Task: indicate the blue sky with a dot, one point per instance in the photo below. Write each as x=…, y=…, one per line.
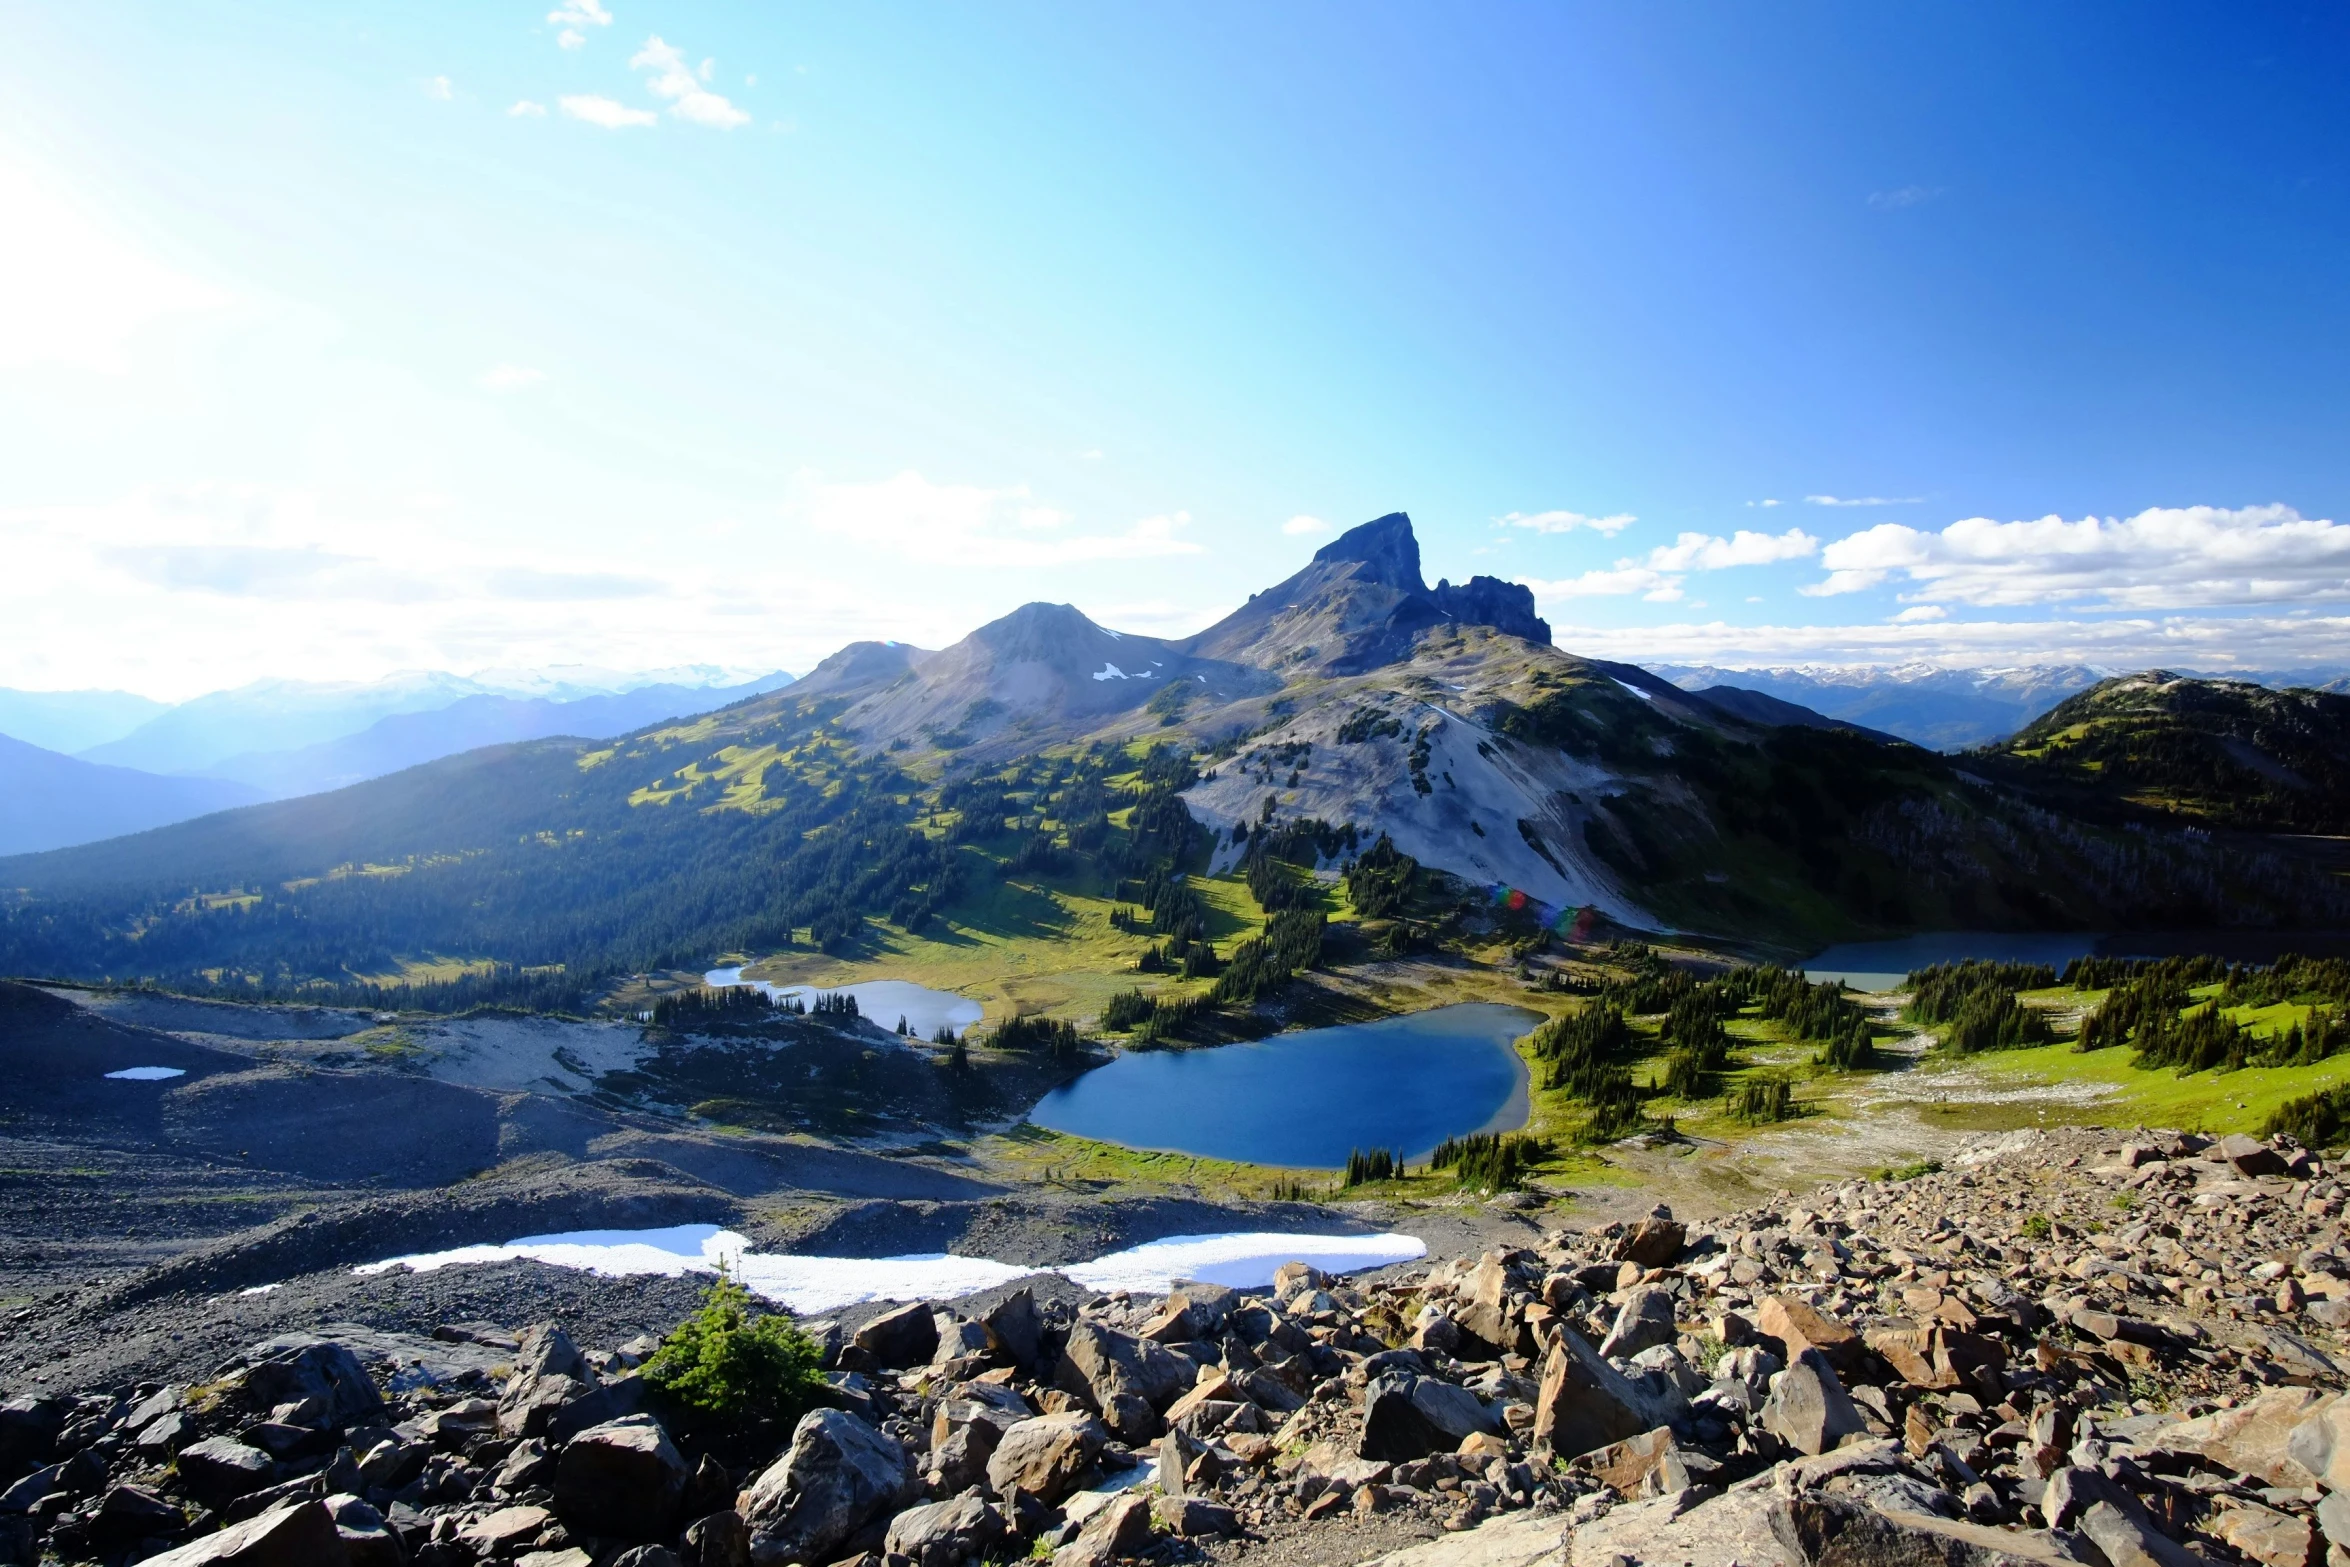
x=359, y=338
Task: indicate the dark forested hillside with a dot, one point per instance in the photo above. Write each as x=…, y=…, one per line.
x=561, y=864
x=2226, y=752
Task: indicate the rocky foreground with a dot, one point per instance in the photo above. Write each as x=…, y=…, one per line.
x=2066, y=1349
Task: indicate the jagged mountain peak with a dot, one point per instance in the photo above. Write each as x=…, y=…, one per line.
x=1386, y=545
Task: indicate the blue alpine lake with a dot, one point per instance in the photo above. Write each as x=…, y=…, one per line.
x=1308, y=1099
x=1883, y=965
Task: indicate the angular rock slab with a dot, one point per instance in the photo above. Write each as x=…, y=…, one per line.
x=839, y=1475
x=300, y=1535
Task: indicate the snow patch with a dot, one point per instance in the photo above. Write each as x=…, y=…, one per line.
x=147, y=1074
x=1109, y=671
x=1244, y=1260
x=1645, y=696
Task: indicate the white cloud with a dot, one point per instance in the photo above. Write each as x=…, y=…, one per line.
x=1657, y=577
x=439, y=87
x=1567, y=522
x=1918, y=612
x=972, y=525
x=71, y=292
x=1302, y=524
x=2162, y=558
x=572, y=15
x=1764, y=503
x=607, y=112
x=511, y=378
x=689, y=97
x=1905, y=196
x=2208, y=642
x=1705, y=552
x=1627, y=578
x=1864, y=500
x=527, y=108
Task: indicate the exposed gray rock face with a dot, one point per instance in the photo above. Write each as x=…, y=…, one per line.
x=1644, y=1321
x=839, y=1475
x=1808, y=1408
x=946, y=1534
x=1044, y=1456
x=298, y=1534
x=1407, y=1416
x=623, y=1480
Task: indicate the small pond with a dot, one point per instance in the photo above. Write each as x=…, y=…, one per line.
x=881, y=1001
x=1882, y=965
x=1308, y=1099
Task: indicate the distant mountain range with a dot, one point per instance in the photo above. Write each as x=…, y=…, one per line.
x=1942, y=709
x=48, y=801
x=896, y=786
x=202, y=756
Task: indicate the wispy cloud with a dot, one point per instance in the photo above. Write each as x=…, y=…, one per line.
x=525, y=108
x=1302, y=524
x=439, y=87
x=511, y=378
x=610, y=113
x=1658, y=576
x=572, y=15
x=1863, y=500
x=2164, y=557
x=1566, y=522
x=687, y=90
x=1903, y=196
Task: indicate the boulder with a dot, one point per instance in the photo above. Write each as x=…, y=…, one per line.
x=1649, y=1464
x=947, y=1534
x=897, y=1339
x=1739, y=1526
x=1645, y=1320
x=366, y=1539
x=622, y=1480
x=646, y=1556
x=1044, y=1456
x=28, y=1430
x=1293, y=1278
x=964, y=1432
x=549, y=1373
x=1583, y=1402
x=1124, y=1379
x=2266, y=1536
x=720, y=1540
x=1808, y=1408
x=299, y=1368
x=2249, y=1155
x=1407, y=1417
x=1822, y=1528
x=1932, y=1355
x=838, y=1476
x=220, y=1469
x=960, y=1339
x=1194, y=1518
x=294, y=1534
x=1652, y=1243
x=506, y=1531
x=132, y=1513
x=2320, y=1443
x=1122, y=1528
x=1018, y=1328
x=1796, y=1325
x=2249, y=1439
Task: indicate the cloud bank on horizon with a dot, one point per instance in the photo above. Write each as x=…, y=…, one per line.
x=553, y=340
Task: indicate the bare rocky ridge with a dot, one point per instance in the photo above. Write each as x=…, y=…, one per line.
x=2066, y=1348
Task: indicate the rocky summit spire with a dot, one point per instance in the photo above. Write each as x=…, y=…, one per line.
x=1387, y=546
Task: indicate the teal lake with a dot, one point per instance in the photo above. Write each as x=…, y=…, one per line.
x=1307, y=1099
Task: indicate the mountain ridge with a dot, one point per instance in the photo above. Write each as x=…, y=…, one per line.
x=886, y=788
